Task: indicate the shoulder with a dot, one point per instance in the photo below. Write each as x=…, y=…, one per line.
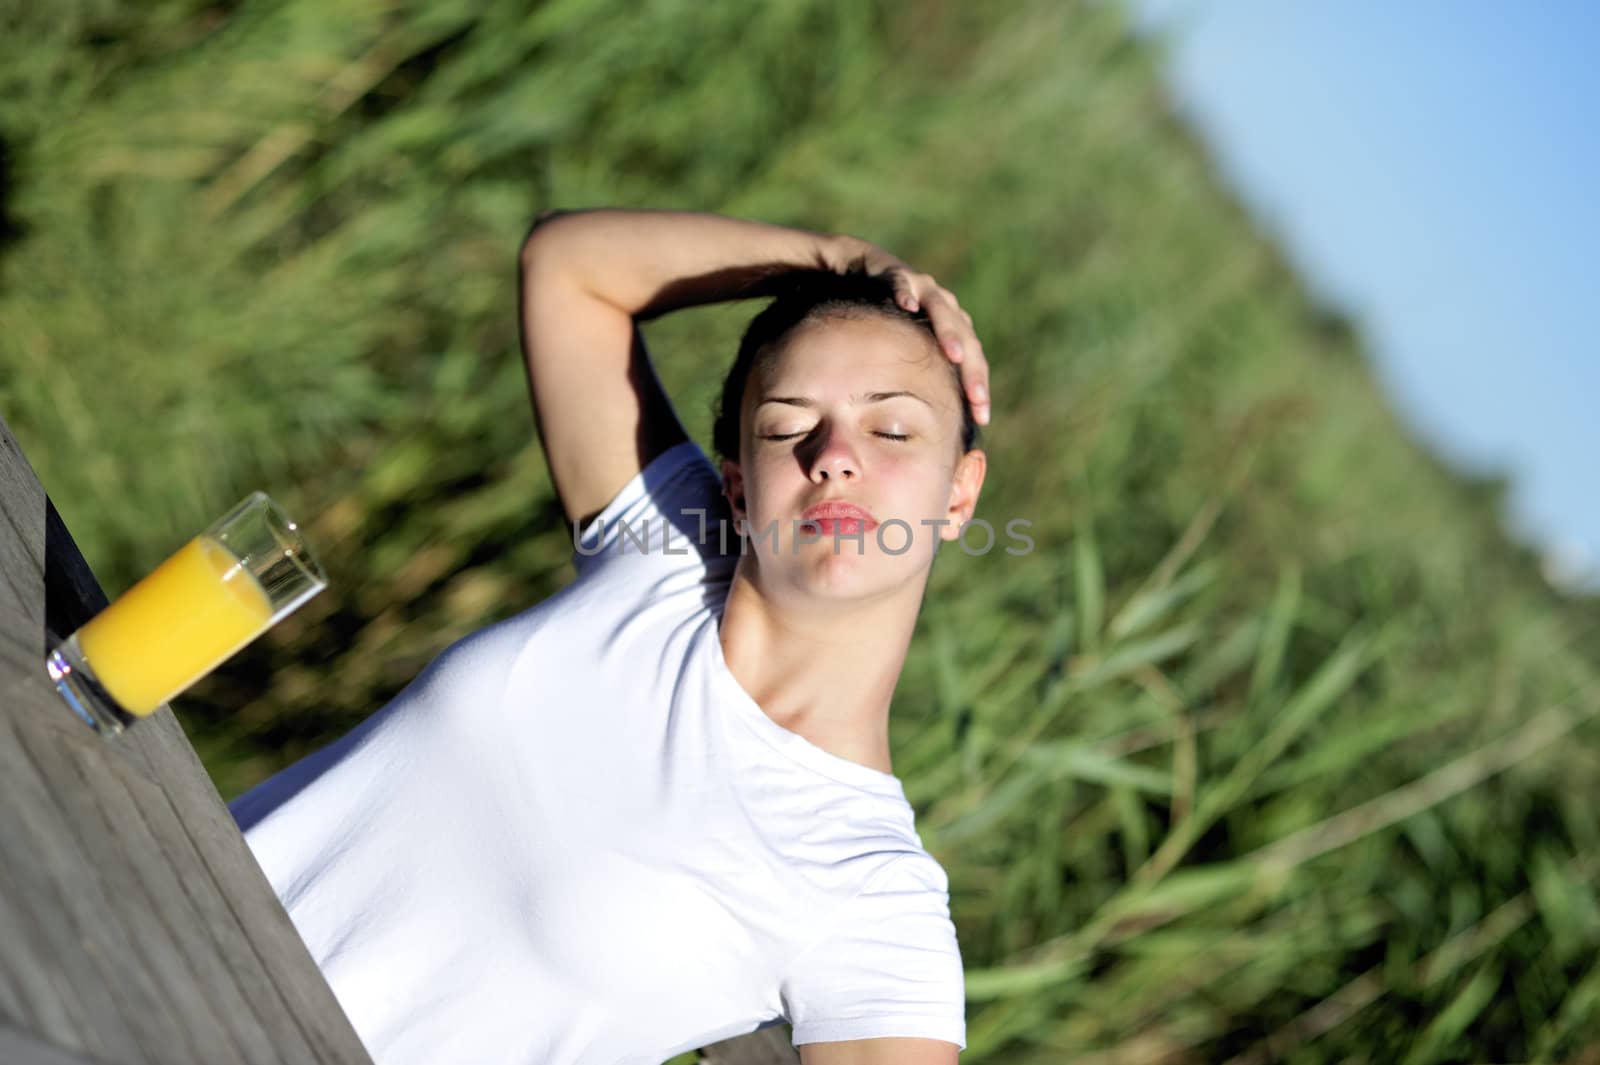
x=670, y=514
x=913, y=884
x=889, y=967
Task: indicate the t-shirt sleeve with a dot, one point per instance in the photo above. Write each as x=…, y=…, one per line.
x=890, y=967
x=671, y=514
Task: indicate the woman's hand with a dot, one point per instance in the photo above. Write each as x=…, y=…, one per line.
x=913, y=290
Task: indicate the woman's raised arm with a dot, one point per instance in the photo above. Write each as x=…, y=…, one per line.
x=588, y=277
x=648, y=262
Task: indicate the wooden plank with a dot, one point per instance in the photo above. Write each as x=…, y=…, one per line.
x=135, y=924
x=40, y=998
x=98, y=806
x=218, y=915
x=129, y=763
x=273, y=942
x=19, y=1048
x=765, y=1046
x=21, y=545
x=13, y=998
x=67, y=940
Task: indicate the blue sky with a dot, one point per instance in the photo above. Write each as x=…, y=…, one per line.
x=1432, y=167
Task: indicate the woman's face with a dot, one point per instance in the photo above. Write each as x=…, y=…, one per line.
x=863, y=409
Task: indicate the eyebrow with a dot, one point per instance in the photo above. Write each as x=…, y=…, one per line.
x=869, y=397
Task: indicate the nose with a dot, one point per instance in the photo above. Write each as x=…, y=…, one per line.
x=834, y=458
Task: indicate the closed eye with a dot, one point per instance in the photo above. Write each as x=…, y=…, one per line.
x=791, y=436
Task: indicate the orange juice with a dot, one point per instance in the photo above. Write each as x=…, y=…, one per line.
x=176, y=625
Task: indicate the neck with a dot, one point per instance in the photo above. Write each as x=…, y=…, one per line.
x=819, y=669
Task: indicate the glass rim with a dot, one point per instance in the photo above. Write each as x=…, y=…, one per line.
x=285, y=532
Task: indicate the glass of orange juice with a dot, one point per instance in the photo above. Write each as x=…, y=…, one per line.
x=249, y=570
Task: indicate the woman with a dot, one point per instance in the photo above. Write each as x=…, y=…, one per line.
x=657, y=810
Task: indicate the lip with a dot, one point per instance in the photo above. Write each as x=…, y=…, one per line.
x=836, y=508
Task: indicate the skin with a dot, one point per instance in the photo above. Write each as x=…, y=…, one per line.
x=818, y=636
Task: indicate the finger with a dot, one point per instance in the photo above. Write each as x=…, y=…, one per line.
x=975, y=382
x=974, y=369
x=917, y=288
x=950, y=325
x=905, y=292
x=972, y=345
x=953, y=326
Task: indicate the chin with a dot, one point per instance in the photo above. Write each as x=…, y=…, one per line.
x=848, y=575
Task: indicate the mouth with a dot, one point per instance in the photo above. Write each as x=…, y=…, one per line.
x=845, y=517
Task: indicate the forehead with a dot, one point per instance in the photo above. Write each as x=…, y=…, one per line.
x=856, y=350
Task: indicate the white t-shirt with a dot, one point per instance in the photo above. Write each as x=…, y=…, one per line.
x=576, y=838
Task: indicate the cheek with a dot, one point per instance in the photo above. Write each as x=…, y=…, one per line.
x=771, y=468
x=770, y=481
x=922, y=483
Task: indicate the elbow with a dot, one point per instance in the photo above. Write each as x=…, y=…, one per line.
x=534, y=241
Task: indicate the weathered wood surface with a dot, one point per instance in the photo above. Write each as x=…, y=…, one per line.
x=769, y=1046
x=135, y=925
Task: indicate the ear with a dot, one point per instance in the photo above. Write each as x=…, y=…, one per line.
x=964, y=488
x=733, y=487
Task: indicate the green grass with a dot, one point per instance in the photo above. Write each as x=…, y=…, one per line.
x=1275, y=747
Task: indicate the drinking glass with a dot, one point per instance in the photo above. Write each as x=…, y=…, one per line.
x=247, y=571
